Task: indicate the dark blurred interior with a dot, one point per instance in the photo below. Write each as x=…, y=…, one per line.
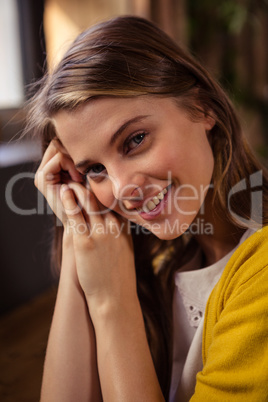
x=27, y=290
x=230, y=39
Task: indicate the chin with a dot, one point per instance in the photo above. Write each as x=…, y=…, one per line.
x=168, y=232
x=167, y=236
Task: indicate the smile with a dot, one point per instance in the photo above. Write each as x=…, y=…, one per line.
x=153, y=202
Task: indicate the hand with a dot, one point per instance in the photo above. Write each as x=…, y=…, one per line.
x=103, y=250
x=55, y=169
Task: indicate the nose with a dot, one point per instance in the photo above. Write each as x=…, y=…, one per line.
x=127, y=185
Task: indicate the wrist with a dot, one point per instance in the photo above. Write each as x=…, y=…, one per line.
x=67, y=238
x=113, y=309
x=68, y=265
x=120, y=332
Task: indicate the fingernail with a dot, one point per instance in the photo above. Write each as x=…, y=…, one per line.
x=50, y=176
x=63, y=188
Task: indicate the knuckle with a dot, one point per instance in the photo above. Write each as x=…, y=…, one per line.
x=37, y=179
x=72, y=209
x=58, y=157
x=84, y=242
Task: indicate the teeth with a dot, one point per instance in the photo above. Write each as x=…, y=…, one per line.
x=150, y=205
x=145, y=209
x=153, y=202
x=156, y=200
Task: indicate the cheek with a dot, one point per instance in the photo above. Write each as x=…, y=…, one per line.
x=196, y=164
x=103, y=192
x=162, y=163
x=205, y=161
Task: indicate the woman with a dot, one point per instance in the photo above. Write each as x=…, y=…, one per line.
x=163, y=286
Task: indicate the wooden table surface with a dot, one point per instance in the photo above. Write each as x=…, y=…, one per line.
x=23, y=339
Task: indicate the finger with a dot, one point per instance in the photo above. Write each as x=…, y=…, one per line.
x=76, y=220
x=59, y=163
x=51, y=151
x=60, y=147
x=88, y=203
x=113, y=219
x=62, y=150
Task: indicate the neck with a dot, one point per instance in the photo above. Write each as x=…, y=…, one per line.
x=222, y=237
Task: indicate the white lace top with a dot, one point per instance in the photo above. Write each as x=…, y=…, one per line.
x=192, y=290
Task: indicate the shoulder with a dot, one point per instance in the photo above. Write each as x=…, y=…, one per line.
x=254, y=248
x=248, y=262
x=241, y=294
x=235, y=341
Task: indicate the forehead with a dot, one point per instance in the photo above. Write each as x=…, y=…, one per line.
x=102, y=111
x=94, y=122
x=99, y=113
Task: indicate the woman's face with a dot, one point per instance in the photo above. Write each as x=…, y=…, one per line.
x=144, y=158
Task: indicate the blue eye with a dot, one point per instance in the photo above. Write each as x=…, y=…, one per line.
x=134, y=141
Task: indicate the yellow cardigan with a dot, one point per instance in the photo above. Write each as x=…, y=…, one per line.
x=235, y=337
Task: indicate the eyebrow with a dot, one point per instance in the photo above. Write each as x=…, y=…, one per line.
x=115, y=136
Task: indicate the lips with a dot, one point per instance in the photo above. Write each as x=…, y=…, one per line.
x=153, y=202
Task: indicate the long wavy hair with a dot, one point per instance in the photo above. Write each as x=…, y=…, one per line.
x=129, y=57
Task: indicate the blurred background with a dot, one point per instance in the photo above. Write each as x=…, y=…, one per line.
x=229, y=37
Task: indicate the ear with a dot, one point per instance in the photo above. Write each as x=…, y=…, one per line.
x=207, y=117
x=209, y=121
